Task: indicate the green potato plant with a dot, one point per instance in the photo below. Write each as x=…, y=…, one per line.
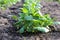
x=7, y=3
x=53, y=1
x=31, y=19
x=57, y=1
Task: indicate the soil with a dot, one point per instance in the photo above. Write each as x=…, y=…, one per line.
x=7, y=32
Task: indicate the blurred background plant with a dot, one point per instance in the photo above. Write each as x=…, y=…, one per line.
x=7, y=3
x=53, y=0
x=57, y=0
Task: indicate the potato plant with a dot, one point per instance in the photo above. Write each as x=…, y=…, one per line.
x=53, y=1
x=7, y=3
x=31, y=19
x=57, y=1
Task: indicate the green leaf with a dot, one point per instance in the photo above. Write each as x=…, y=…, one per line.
x=15, y=17
x=21, y=30
x=28, y=17
x=21, y=15
x=24, y=10
x=56, y=22
x=29, y=29
x=42, y=29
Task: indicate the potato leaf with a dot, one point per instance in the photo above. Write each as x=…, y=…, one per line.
x=21, y=30
x=42, y=29
x=15, y=17
x=24, y=10
x=28, y=17
x=56, y=22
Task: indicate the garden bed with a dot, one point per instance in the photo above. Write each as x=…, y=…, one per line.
x=6, y=33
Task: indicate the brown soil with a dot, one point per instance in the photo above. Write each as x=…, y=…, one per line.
x=7, y=32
